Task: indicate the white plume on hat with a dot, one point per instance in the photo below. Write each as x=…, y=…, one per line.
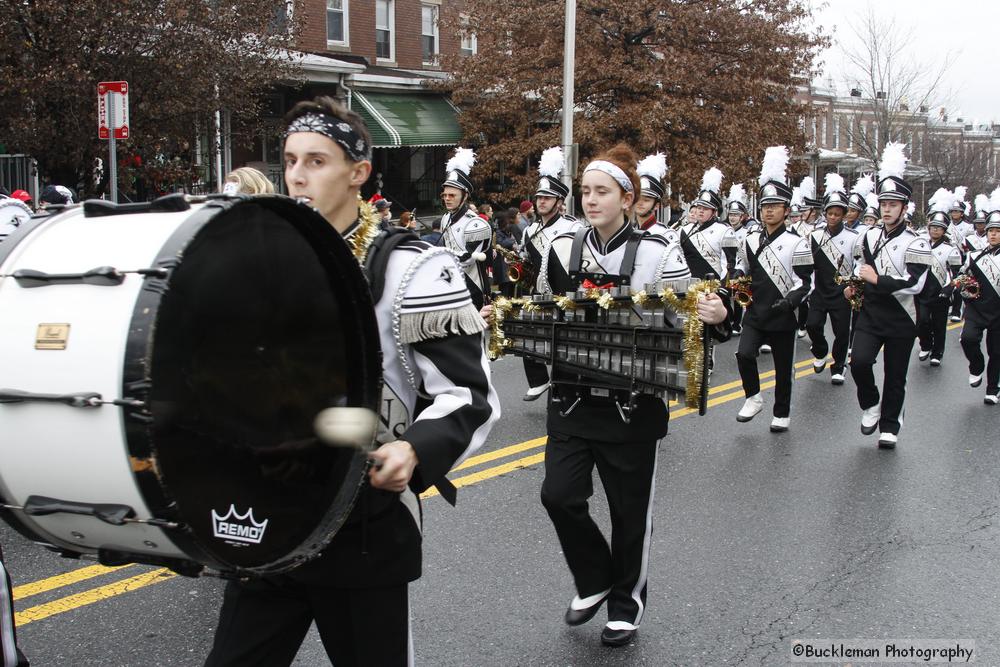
x=774, y=166
x=960, y=192
x=893, y=161
x=656, y=166
x=995, y=200
x=834, y=182
x=864, y=185
x=712, y=180
x=737, y=194
x=941, y=200
x=463, y=160
x=808, y=188
x=872, y=200
x=910, y=208
x=982, y=204
x=552, y=162
x=797, y=197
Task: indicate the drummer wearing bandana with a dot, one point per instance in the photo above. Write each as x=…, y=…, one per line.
x=438, y=406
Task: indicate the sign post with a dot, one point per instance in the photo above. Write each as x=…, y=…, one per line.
x=112, y=123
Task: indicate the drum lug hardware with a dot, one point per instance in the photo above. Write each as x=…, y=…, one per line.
x=621, y=412
x=156, y=523
x=567, y=411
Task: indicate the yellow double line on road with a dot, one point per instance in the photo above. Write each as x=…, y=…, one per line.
x=147, y=578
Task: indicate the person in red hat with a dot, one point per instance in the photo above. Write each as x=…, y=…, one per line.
x=23, y=196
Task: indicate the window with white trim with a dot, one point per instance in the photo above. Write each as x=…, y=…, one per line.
x=468, y=45
x=836, y=133
x=336, y=22
x=385, y=39
x=429, y=33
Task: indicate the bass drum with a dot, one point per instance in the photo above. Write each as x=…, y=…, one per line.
x=163, y=365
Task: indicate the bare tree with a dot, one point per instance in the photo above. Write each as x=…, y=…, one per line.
x=960, y=159
x=892, y=87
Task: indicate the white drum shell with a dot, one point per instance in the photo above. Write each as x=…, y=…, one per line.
x=76, y=454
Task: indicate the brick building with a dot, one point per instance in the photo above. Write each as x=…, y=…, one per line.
x=380, y=58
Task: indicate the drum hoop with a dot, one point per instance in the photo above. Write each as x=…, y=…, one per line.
x=136, y=383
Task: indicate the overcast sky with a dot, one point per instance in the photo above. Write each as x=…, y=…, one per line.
x=966, y=28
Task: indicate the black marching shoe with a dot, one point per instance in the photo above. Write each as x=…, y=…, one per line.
x=575, y=616
x=617, y=636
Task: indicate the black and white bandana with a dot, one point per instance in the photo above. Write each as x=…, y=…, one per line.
x=337, y=130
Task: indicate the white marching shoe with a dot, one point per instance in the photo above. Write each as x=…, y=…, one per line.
x=534, y=392
x=869, y=419
x=837, y=379
x=955, y=318
x=887, y=440
x=819, y=365
x=991, y=399
x=924, y=355
x=780, y=424
x=975, y=380
x=751, y=407
x=765, y=348
x=801, y=333
x=935, y=362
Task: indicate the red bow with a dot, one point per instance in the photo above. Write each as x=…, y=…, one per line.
x=589, y=285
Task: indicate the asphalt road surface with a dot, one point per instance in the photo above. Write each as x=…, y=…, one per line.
x=759, y=540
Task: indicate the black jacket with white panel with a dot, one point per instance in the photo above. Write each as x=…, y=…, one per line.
x=901, y=259
x=780, y=267
x=833, y=258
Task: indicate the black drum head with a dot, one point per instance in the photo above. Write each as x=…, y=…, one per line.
x=266, y=321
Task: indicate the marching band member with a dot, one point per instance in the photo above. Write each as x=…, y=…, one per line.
x=738, y=219
x=977, y=240
x=857, y=202
x=779, y=264
x=608, y=252
x=462, y=230
x=709, y=244
x=957, y=232
x=833, y=250
x=983, y=313
x=872, y=217
x=438, y=406
x=651, y=170
x=933, y=300
x=895, y=262
x=549, y=223
x=806, y=225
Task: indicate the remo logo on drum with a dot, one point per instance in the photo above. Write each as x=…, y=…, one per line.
x=235, y=527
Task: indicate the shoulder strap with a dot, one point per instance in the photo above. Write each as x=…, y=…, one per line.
x=576, y=254
x=631, y=248
x=378, y=257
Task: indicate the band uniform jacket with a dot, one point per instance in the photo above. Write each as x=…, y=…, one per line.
x=709, y=247
x=946, y=260
x=901, y=259
x=538, y=238
x=984, y=266
x=780, y=267
x=656, y=228
x=437, y=395
x=597, y=418
x=465, y=234
x=958, y=231
x=833, y=257
x=974, y=242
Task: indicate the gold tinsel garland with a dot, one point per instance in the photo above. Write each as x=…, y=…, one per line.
x=366, y=232
x=694, y=328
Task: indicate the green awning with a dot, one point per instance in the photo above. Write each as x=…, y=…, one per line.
x=407, y=119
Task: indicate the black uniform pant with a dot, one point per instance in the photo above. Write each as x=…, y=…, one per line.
x=803, y=314
x=782, y=352
x=10, y=655
x=840, y=320
x=263, y=622
x=737, y=318
x=972, y=338
x=854, y=325
x=932, y=326
x=956, y=303
x=536, y=372
x=897, y=359
x=627, y=471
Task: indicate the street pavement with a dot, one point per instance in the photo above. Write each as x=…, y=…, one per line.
x=759, y=540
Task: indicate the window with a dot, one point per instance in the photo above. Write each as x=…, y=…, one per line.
x=429, y=33
x=822, y=132
x=336, y=22
x=468, y=46
x=836, y=133
x=385, y=47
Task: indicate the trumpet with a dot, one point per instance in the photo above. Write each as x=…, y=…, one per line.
x=742, y=294
x=856, y=284
x=517, y=270
x=967, y=286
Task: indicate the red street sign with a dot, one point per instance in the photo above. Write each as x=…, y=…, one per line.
x=112, y=93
